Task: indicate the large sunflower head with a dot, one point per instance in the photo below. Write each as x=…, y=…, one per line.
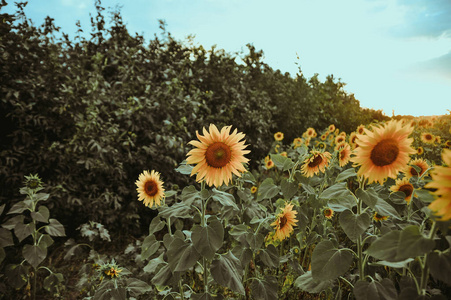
x=420, y=163
x=284, y=222
x=315, y=163
x=218, y=155
x=441, y=181
x=383, y=152
x=403, y=185
x=150, y=188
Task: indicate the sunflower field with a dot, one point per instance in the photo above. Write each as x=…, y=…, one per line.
x=166, y=171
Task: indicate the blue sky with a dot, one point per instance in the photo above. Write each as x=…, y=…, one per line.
x=392, y=54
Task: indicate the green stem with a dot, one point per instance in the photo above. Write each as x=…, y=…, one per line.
x=181, y=290
x=360, y=261
x=203, y=224
x=425, y=270
x=169, y=225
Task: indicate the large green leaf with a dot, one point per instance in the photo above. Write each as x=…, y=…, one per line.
x=181, y=255
x=6, y=238
x=396, y=246
x=42, y=215
x=440, y=266
x=34, y=254
x=348, y=173
x=227, y=271
x=55, y=228
x=137, y=287
x=208, y=239
x=372, y=199
x=342, y=203
x=306, y=283
x=154, y=263
x=177, y=210
x=149, y=247
x=190, y=194
x=329, y=262
x=375, y=290
x=354, y=225
x=264, y=289
x=336, y=191
x=165, y=276
x=156, y=225
x=22, y=231
x=20, y=207
x=267, y=190
x=224, y=198
x=282, y=162
x=270, y=256
x=289, y=189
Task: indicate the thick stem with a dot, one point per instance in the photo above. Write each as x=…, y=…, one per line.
x=360, y=261
x=425, y=270
x=181, y=290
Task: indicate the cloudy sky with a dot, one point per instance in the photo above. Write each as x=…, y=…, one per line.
x=392, y=54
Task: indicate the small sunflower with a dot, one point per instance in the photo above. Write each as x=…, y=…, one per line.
x=352, y=138
x=113, y=272
x=278, y=136
x=317, y=162
x=418, y=162
x=310, y=132
x=218, y=155
x=297, y=142
x=383, y=152
x=328, y=213
x=420, y=150
x=284, y=154
x=150, y=188
x=321, y=145
x=378, y=218
x=344, y=155
x=331, y=128
x=441, y=180
x=360, y=129
x=427, y=138
x=254, y=189
x=403, y=185
x=448, y=144
x=438, y=139
x=284, y=222
x=340, y=139
x=323, y=137
x=269, y=164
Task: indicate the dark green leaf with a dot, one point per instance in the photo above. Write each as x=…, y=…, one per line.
x=264, y=289
x=52, y=281
x=329, y=262
x=306, y=283
x=55, y=228
x=207, y=240
x=177, y=210
x=440, y=266
x=34, y=254
x=267, y=190
x=42, y=215
x=425, y=196
x=224, y=198
x=156, y=225
x=282, y=162
x=227, y=272
x=396, y=265
x=309, y=189
x=348, y=173
x=149, y=247
x=181, y=255
x=375, y=290
x=10, y=224
x=164, y=277
x=342, y=204
x=2, y=255
x=16, y=275
x=6, y=238
x=185, y=169
x=354, y=225
x=136, y=287
x=255, y=240
x=369, y=196
x=189, y=195
x=19, y=208
x=289, y=189
x=23, y=231
x=336, y=191
x=154, y=263
x=270, y=256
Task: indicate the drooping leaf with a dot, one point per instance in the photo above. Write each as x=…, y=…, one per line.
x=6, y=238
x=342, y=203
x=270, y=256
x=328, y=262
x=264, y=289
x=181, y=255
x=375, y=290
x=156, y=225
x=440, y=266
x=149, y=247
x=224, y=198
x=348, y=173
x=306, y=283
x=154, y=263
x=208, y=239
x=227, y=271
x=23, y=231
x=354, y=225
x=19, y=208
x=372, y=199
x=42, y=215
x=289, y=189
x=397, y=245
x=336, y=191
x=282, y=162
x=177, y=210
x=136, y=287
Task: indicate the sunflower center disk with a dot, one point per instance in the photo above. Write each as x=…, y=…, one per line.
x=406, y=189
x=316, y=161
x=151, y=188
x=218, y=155
x=385, y=152
x=283, y=220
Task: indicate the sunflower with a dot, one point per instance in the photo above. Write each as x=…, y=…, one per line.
x=377, y=217
x=403, y=185
x=438, y=139
x=360, y=129
x=321, y=145
x=284, y=222
x=352, y=140
x=317, y=162
x=150, y=188
x=324, y=136
x=253, y=189
x=344, y=155
x=297, y=142
x=284, y=154
x=278, y=136
x=217, y=155
x=420, y=150
x=340, y=146
x=269, y=164
x=113, y=272
x=418, y=162
x=310, y=132
x=427, y=138
x=340, y=139
x=383, y=152
x=331, y=128
x=441, y=180
x=448, y=144
x=328, y=213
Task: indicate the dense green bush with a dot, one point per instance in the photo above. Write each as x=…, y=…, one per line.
x=88, y=115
